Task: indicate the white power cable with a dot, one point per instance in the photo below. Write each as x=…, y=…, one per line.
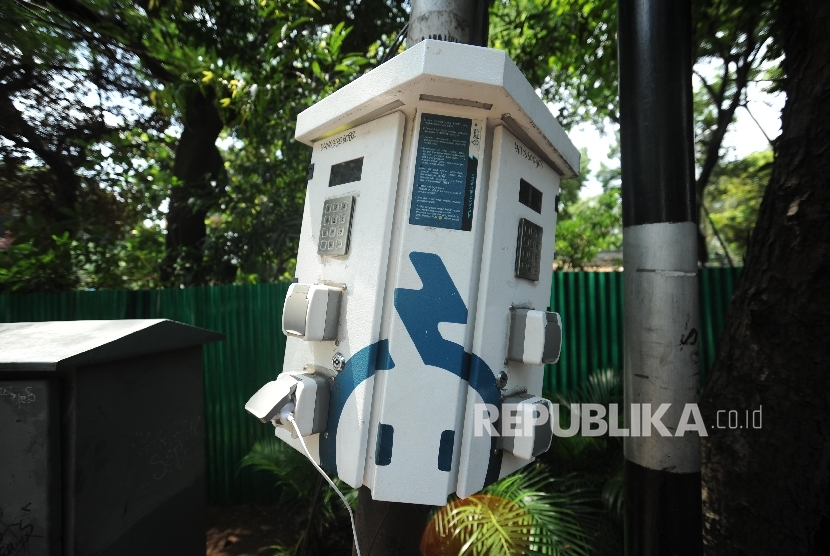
x=290, y=417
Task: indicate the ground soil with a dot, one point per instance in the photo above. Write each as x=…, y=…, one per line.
x=255, y=530
x=247, y=530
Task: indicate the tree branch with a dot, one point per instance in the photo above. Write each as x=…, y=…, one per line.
x=15, y=128
x=77, y=12
x=748, y=111
x=725, y=117
x=717, y=235
x=706, y=84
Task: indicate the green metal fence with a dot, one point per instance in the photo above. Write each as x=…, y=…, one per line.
x=591, y=305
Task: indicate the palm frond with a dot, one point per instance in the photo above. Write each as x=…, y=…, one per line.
x=298, y=479
x=613, y=492
x=602, y=387
x=529, y=512
x=291, y=469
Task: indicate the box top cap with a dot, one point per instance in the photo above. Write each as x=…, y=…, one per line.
x=50, y=346
x=449, y=73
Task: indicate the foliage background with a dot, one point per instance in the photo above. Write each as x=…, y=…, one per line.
x=149, y=143
x=109, y=177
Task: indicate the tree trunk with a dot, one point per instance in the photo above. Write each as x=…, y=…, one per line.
x=197, y=167
x=764, y=490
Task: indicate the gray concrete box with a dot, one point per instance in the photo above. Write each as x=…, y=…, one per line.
x=102, y=438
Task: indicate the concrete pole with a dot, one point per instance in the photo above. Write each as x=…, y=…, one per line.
x=385, y=528
x=463, y=21
x=662, y=474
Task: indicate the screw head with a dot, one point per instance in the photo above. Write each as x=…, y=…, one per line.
x=501, y=381
x=338, y=362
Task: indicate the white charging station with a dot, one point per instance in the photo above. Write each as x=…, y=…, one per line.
x=423, y=276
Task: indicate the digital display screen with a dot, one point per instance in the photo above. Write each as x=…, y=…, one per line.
x=346, y=172
x=530, y=197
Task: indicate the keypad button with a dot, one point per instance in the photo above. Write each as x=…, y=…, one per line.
x=335, y=226
x=528, y=250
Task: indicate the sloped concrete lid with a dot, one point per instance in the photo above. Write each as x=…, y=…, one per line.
x=450, y=73
x=50, y=346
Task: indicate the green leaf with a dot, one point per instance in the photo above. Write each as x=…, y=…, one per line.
x=315, y=66
x=527, y=512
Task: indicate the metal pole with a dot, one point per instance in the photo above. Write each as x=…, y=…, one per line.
x=385, y=528
x=462, y=21
x=662, y=473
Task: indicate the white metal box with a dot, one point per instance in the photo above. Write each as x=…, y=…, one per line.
x=432, y=207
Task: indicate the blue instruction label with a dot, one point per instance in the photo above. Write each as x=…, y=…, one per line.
x=445, y=173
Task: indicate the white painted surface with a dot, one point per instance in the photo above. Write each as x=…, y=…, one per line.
x=534, y=344
x=28, y=346
x=34, y=342
x=421, y=401
x=449, y=70
x=521, y=445
x=306, y=395
x=500, y=289
x=362, y=271
x=262, y=404
x=418, y=400
x=318, y=304
x=662, y=339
